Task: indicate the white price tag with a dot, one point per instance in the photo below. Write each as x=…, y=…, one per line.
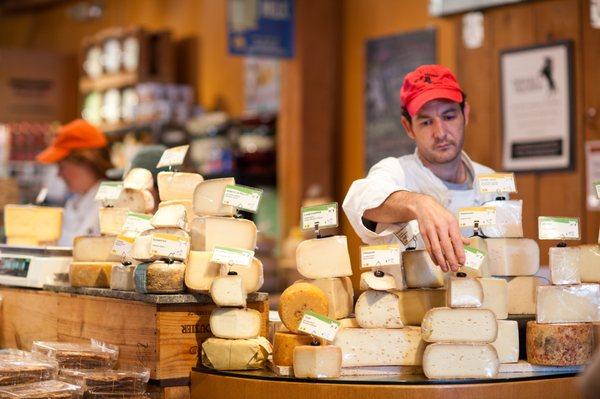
x=325, y=215
x=137, y=222
x=484, y=215
x=169, y=245
x=123, y=245
x=597, y=185
x=474, y=258
x=41, y=197
x=173, y=156
x=109, y=191
x=232, y=256
x=379, y=255
x=558, y=228
x=242, y=197
x=319, y=326
x=408, y=232
x=496, y=183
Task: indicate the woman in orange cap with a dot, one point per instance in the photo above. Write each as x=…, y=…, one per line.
x=81, y=152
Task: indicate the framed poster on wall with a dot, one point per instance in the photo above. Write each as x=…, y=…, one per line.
x=537, y=108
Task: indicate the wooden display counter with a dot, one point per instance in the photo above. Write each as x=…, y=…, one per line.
x=207, y=384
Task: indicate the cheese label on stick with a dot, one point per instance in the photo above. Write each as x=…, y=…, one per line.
x=483, y=215
x=496, y=183
x=137, y=222
x=558, y=228
x=232, y=256
x=242, y=197
x=473, y=258
x=169, y=245
x=173, y=156
x=319, y=326
x=123, y=245
x=408, y=232
x=380, y=255
x=325, y=215
x=109, y=191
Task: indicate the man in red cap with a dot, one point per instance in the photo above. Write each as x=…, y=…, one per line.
x=81, y=152
x=430, y=185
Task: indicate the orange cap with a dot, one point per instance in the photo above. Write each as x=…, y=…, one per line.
x=74, y=135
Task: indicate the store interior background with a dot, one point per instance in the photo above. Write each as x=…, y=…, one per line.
x=321, y=122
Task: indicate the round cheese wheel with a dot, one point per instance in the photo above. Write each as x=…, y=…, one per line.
x=567, y=344
x=284, y=344
x=299, y=298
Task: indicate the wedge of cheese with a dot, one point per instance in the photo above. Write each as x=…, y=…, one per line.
x=568, y=303
x=32, y=225
x=339, y=292
x=94, y=249
x=235, y=354
x=317, y=361
x=559, y=344
x=90, y=274
x=507, y=342
x=173, y=216
x=112, y=220
x=371, y=346
x=397, y=271
x=121, y=277
x=590, y=263
x=459, y=325
x=232, y=323
x=139, y=179
x=522, y=293
x=513, y=256
x=209, y=231
x=509, y=221
x=159, y=277
x=565, y=265
x=420, y=271
x=284, y=344
x=495, y=296
x=228, y=291
x=208, y=198
x=324, y=258
x=298, y=298
x=177, y=185
x=200, y=271
x=377, y=280
x=189, y=211
x=415, y=303
x=378, y=309
x=464, y=292
x=252, y=276
x=452, y=361
x=483, y=270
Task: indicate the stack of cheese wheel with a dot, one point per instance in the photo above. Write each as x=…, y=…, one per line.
x=236, y=344
x=462, y=335
x=563, y=334
x=93, y=263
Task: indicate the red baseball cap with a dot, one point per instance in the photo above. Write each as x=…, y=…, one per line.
x=426, y=83
x=78, y=134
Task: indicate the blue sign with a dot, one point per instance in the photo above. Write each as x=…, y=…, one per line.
x=261, y=28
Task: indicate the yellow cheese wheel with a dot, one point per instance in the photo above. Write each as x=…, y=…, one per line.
x=299, y=298
x=284, y=344
x=90, y=274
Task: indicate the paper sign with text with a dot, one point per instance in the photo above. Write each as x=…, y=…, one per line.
x=319, y=326
x=408, y=232
x=325, y=215
x=474, y=258
x=380, y=255
x=169, y=246
x=484, y=215
x=558, y=228
x=137, y=222
x=242, y=197
x=123, y=245
x=232, y=256
x=109, y=191
x=496, y=183
x=173, y=156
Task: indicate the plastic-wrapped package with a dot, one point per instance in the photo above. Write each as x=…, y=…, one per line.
x=507, y=342
x=378, y=309
x=50, y=389
x=459, y=325
x=509, y=223
x=568, y=303
x=377, y=280
x=559, y=344
x=564, y=265
x=93, y=355
x=455, y=361
x=236, y=354
x=317, y=361
x=420, y=271
x=159, y=277
x=463, y=292
x=590, y=259
x=121, y=277
x=131, y=381
x=21, y=367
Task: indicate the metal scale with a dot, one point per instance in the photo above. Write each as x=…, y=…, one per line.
x=28, y=266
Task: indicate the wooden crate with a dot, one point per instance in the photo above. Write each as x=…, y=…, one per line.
x=150, y=330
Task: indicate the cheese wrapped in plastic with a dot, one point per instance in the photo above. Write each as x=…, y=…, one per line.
x=42, y=389
x=236, y=354
x=509, y=223
x=565, y=265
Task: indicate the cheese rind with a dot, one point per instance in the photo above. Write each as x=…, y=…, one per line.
x=495, y=296
x=94, y=249
x=235, y=354
x=590, y=263
x=464, y=292
x=564, y=265
x=415, y=303
x=371, y=281
x=317, y=361
x=210, y=231
x=200, y=271
x=252, y=276
x=139, y=179
x=507, y=342
x=29, y=224
x=231, y=323
x=324, y=258
x=372, y=346
x=559, y=344
x=459, y=325
x=513, y=256
x=112, y=220
x=340, y=295
x=284, y=344
x=173, y=216
x=509, y=223
x=568, y=303
x=208, y=198
x=378, y=309
x=522, y=293
x=449, y=361
x=90, y=274
x=420, y=271
x=228, y=291
x=121, y=278
x=159, y=277
x=177, y=185
x=298, y=298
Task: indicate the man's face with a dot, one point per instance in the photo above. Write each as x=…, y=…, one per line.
x=438, y=130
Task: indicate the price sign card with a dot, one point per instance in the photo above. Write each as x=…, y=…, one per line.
x=123, y=245
x=319, y=326
x=558, y=228
x=496, y=183
x=109, y=191
x=474, y=258
x=379, y=255
x=326, y=215
x=173, y=156
x=137, y=222
x=232, y=256
x=408, y=232
x=169, y=245
x=484, y=215
x=242, y=197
